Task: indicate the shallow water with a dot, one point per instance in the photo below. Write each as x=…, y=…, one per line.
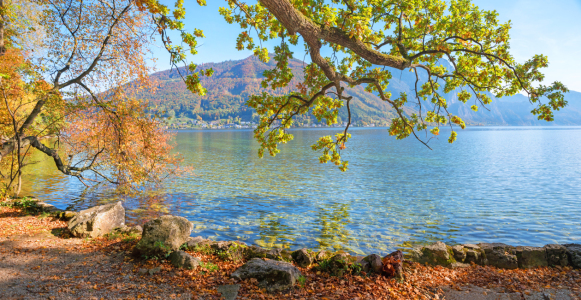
x=517, y=185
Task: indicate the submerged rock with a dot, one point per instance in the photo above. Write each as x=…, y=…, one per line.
x=97, y=221
x=531, y=257
x=163, y=235
x=272, y=275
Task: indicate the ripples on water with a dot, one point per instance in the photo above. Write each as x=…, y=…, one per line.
x=517, y=185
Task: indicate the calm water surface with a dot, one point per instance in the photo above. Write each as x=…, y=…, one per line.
x=517, y=185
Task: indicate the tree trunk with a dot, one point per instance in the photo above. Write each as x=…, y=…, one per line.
x=2, y=47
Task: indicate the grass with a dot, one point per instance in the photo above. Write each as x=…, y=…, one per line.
x=208, y=267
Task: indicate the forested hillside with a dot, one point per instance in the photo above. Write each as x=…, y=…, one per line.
x=234, y=81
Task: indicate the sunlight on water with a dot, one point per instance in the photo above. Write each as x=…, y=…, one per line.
x=517, y=185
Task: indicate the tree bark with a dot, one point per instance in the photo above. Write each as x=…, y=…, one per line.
x=294, y=21
x=2, y=47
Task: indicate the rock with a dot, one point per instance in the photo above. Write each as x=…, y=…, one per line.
x=574, y=253
x=97, y=221
x=135, y=229
x=47, y=207
x=286, y=255
x=163, y=235
x=374, y=264
x=229, y=250
x=436, y=254
x=471, y=292
x=302, y=258
x=531, y=257
x=415, y=254
x=500, y=255
x=193, y=242
x=393, y=264
x=272, y=275
x=550, y=294
x=279, y=254
x=474, y=254
x=221, y=246
x=66, y=215
x=339, y=263
x=459, y=253
x=459, y=265
x=181, y=259
x=557, y=255
x=364, y=264
x=323, y=255
x=154, y=270
x=275, y=254
x=255, y=252
x=129, y=229
x=229, y=292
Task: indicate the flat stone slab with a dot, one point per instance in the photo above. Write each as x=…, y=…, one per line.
x=477, y=293
x=552, y=295
x=229, y=292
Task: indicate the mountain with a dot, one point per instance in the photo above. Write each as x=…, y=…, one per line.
x=234, y=81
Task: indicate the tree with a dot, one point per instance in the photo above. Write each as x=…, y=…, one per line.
x=77, y=90
x=370, y=35
x=365, y=36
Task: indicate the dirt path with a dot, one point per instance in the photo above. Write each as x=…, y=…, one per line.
x=41, y=265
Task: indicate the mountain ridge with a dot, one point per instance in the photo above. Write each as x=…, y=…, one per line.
x=234, y=81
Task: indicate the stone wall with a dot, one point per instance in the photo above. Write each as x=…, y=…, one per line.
x=498, y=255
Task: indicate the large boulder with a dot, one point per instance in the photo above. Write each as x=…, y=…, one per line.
x=181, y=259
x=302, y=258
x=557, y=255
x=531, y=257
x=163, y=235
x=574, y=251
x=500, y=255
x=97, y=221
x=272, y=275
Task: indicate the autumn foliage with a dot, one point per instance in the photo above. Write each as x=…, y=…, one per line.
x=74, y=97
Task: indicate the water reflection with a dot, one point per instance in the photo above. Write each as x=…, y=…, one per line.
x=512, y=185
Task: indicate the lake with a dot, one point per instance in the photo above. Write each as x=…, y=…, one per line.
x=516, y=185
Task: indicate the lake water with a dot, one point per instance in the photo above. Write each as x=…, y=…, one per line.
x=517, y=185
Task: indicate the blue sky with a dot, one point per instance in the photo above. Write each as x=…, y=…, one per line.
x=552, y=28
